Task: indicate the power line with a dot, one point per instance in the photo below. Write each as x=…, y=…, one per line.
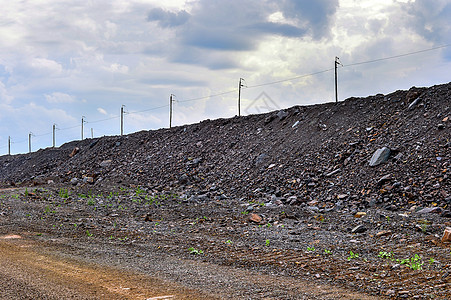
x=210, y=96
x=252, y=86
x=102, y=120
x=290, y=79
x=396, y=56
x=67, y=128
x=154, y=108
x=43, y=134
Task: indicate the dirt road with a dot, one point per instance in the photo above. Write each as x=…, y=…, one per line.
x=28, y=273
x=35, y=270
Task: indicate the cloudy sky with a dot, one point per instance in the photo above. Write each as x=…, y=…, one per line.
x=61, y=60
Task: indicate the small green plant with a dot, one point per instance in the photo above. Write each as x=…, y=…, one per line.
x=267, y=243
x=424, y=227
x=64, y=193
x=88, y=233
x=195, y=251
x=352, y=255
x=388, y=219
x=245, y=212
x=384, y=254
x=228, y=242
x=327, y=251
x=431, y=261
x=269, y=225
x=26, y=192
x=91, y=202
x=311, y=249
x=415, y=262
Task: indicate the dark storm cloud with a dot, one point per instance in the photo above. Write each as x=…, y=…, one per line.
x=431, y=19
x=315, y=15
x=238, y=25
x=277, y=29
x=166, y=18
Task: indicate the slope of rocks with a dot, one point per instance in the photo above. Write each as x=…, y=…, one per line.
x=354, y=195
x=318, y=153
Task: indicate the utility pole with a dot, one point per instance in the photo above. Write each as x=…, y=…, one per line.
x=29, y=142
x=171, y=100
x=9, y=145
x=82, y=123
x=92, y=133
x=54, y=135
x=240, y=85
x=122, y=119
x=337, y=62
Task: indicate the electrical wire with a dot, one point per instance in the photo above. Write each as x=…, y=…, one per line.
x=145, y=110
x=289, y=79
x=210, y=96
x=252, y=86
x=103, y=120
x=396, y=56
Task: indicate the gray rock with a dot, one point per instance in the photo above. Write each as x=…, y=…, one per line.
x=358, y=229
x=105, y=163
x=313, y=208
x=74, y=181
x=184, y=179
x=339, y=205
x=383, y=180
x=414, y=103
x=430, y=210
x=261, y=159
x=380, y=156
x=282, y=115
x=88, y=179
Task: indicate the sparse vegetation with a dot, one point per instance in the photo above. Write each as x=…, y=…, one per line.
x=195, y=251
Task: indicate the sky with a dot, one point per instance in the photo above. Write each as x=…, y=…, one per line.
x=62, y=62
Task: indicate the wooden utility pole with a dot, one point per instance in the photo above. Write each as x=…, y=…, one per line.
x=171, y=100
x=122, y=119
x=29, y=142
x=337, y=62
x=240, y=85
x=54, y=135
x=9, y=145
x=92, y=133
x=82, y=123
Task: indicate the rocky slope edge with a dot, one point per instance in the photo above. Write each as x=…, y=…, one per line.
x=390, y=151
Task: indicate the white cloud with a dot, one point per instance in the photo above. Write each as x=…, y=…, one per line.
x=58, y=97
x=46, y=66
x=4, y=96
x=102, y=111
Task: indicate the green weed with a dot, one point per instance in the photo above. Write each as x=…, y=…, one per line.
x=195, y=251
x=352, y=255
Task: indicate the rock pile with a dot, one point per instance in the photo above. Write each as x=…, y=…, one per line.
x=390, y=151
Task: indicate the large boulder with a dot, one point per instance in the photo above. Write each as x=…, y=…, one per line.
x=380, y=156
